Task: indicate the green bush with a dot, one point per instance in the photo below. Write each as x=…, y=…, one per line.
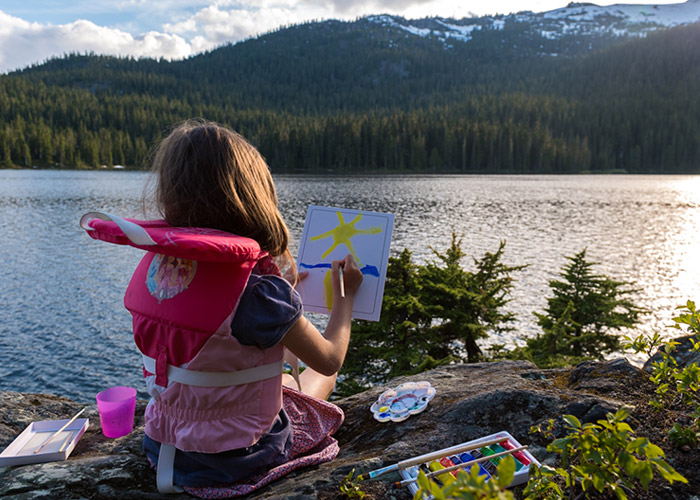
x=675, y=385
x=350, y=488
x=597, y=458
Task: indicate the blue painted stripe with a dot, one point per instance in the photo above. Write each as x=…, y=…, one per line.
x=370, y=270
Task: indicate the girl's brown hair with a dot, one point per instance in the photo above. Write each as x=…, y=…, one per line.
x=210, y=176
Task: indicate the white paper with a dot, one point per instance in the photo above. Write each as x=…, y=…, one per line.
x=331, y=234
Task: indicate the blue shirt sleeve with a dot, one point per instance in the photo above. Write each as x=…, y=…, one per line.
x=268, y=308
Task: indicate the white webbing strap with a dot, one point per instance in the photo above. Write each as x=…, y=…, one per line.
x=164, y=472
x=217, y=379
x=290, y=357
x=166, y=456
x=134, y=232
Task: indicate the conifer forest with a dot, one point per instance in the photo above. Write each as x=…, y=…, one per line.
x=334, y=97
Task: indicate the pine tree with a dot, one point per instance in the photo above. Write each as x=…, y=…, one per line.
x=584, y=312
x=466, y=306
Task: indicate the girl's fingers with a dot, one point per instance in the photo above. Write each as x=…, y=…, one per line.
x=295, y=277
x=351, y=274
x=350, y=262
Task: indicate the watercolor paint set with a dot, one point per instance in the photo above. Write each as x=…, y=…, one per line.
x=498, y=444
x=44, y=441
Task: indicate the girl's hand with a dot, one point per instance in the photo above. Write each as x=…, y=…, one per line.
x=295, y=277
x=352, y=276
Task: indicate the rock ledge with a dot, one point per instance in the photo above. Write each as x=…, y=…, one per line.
x=472, y=400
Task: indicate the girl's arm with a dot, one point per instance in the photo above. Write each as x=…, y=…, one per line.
x=326, y=353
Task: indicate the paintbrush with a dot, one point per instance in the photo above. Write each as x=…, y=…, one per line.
x=429, y=457
x=70, y=437
x=59, y=430
x=464, y=465
x=342, y=281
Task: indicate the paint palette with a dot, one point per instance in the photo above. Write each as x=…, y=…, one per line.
x=396, y=405
x=500, y=443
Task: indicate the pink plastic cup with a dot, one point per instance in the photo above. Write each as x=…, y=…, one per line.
x=116, y=407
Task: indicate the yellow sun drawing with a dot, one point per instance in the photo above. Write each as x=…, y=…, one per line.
x=343, y=233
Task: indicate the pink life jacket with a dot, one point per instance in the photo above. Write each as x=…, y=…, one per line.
x=209, y=392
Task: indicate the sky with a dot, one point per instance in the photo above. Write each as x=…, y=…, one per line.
x=32, y=31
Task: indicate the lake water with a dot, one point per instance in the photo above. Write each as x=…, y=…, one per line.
x=63, y=328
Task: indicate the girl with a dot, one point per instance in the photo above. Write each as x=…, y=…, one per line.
x=245, y=422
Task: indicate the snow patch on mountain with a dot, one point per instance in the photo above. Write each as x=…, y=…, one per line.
x=457, y=31
x=663, y=15
x=576, y=19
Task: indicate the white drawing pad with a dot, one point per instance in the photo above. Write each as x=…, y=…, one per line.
x=332, y=233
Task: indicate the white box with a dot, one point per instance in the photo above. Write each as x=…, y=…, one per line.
x=520, y=477
x=21, y=450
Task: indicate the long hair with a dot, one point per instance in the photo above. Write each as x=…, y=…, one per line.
x=210, y=176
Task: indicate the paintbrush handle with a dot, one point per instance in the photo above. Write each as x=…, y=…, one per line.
x=342, y=281
x=379, y=472
x=448, y=451
x=59, y=430
x=65, y=443
x=431, y=456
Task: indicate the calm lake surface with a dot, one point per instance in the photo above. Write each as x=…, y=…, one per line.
x=63, y=328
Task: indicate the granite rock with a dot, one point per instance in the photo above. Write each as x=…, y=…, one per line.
x=472, y=400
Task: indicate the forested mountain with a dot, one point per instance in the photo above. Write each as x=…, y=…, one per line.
x=577, y=89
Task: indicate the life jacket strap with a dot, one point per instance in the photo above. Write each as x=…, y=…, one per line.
x=217, y=379
x=293, y=361
x=164, y=471
x=137, y=234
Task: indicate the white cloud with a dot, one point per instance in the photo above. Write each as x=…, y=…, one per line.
x=24, y=43
x=231, y=20
x=226, y=21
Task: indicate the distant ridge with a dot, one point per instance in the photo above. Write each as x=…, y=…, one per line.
x=574, y=20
